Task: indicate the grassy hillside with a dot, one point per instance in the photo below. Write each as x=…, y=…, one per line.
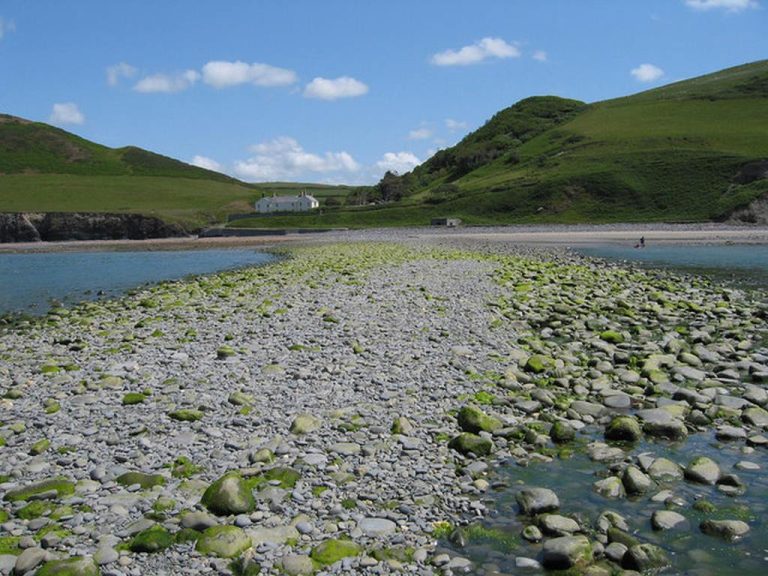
x=675, y=153
x=45, y=169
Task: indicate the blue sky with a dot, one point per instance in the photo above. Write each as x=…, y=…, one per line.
x=341, y=90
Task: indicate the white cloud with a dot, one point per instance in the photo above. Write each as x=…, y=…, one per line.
x=284, y=158
x=400, y=162
x=118, y=71
x=222, y=74
x=6, y=26
x=419, y=134
x=477, y=52
x=332, y=89
x=66, y=113
x=727, y=5
x=454, y=125
x=540, y=56
x=647, y=73
x=207, y=163
x=167, y=82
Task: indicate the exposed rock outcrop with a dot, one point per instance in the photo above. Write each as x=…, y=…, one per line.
x=58, y=226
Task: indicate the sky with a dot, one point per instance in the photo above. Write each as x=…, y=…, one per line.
x=339, y=91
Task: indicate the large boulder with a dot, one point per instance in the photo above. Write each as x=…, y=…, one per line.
x=229, y=495
x=472, y=419
x=223, y=541
x=567, y=552
x=534, y=501
x=466, y=444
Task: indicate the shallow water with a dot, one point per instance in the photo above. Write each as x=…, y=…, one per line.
x=690, y=551
x=739, y=263
x=30, y=283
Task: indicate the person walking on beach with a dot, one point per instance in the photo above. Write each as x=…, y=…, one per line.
x=642, y=241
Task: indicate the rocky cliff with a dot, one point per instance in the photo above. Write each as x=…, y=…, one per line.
x=57, y=226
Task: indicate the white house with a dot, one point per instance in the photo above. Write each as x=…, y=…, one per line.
x=302, y=203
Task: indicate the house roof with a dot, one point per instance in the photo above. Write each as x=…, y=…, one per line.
x=286, y=199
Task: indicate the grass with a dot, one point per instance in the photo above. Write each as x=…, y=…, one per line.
x=193, y=202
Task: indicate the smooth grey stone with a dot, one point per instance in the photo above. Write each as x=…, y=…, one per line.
x=377, y=526
x=667, y=520
x=535, y=500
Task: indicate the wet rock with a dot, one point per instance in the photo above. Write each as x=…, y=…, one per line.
x=726, y=529
x=567, y=552
x=535, y=500
x=659, y=423
x=562, y=432
x=667, y=520
x=643, y=557
x=703, y=470
x=610, y=487
x=554, y=524
x=663, y=470
x=636, y=481
x=623, y=428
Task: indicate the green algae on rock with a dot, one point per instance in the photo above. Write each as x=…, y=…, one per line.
x=223, y=541
x=467, y=443
x=60, y=486
x=229, y=494
x=153, y=539
x=146, y=481
x=472, y=419
x=331, y=551
x=186, y=415
x=77, y=566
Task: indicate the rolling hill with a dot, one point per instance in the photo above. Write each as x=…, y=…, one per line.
x=694, y=150
x=46, y=169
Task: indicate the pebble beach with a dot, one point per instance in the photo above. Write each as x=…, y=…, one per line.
x=350, y=410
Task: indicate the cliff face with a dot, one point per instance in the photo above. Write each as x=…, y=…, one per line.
x=57, y=226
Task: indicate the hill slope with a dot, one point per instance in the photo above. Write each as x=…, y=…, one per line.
x=694, y=150
x=46, y=169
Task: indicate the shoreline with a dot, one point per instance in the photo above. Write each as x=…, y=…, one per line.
x=547, y=235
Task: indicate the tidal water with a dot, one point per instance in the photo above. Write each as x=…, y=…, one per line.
x=743, y=264
x=32, y=283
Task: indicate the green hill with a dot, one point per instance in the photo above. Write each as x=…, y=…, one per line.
x=46, y=169
x=691, y=151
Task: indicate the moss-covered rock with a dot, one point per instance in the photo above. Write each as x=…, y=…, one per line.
x=612, y=336
x=132, y=398
x=39, y=447
x=60, y=485
x=223, y=541
x=623, y=428
x=154, y=539
x=304, y=424
x=538, y=364
x=77, y=566
x=466, y=443
x=186, y=415
x=562, y=432
x=35, y=509
x=146, y=481
x=472, y=419
x=229, y=494
x=331, y=551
